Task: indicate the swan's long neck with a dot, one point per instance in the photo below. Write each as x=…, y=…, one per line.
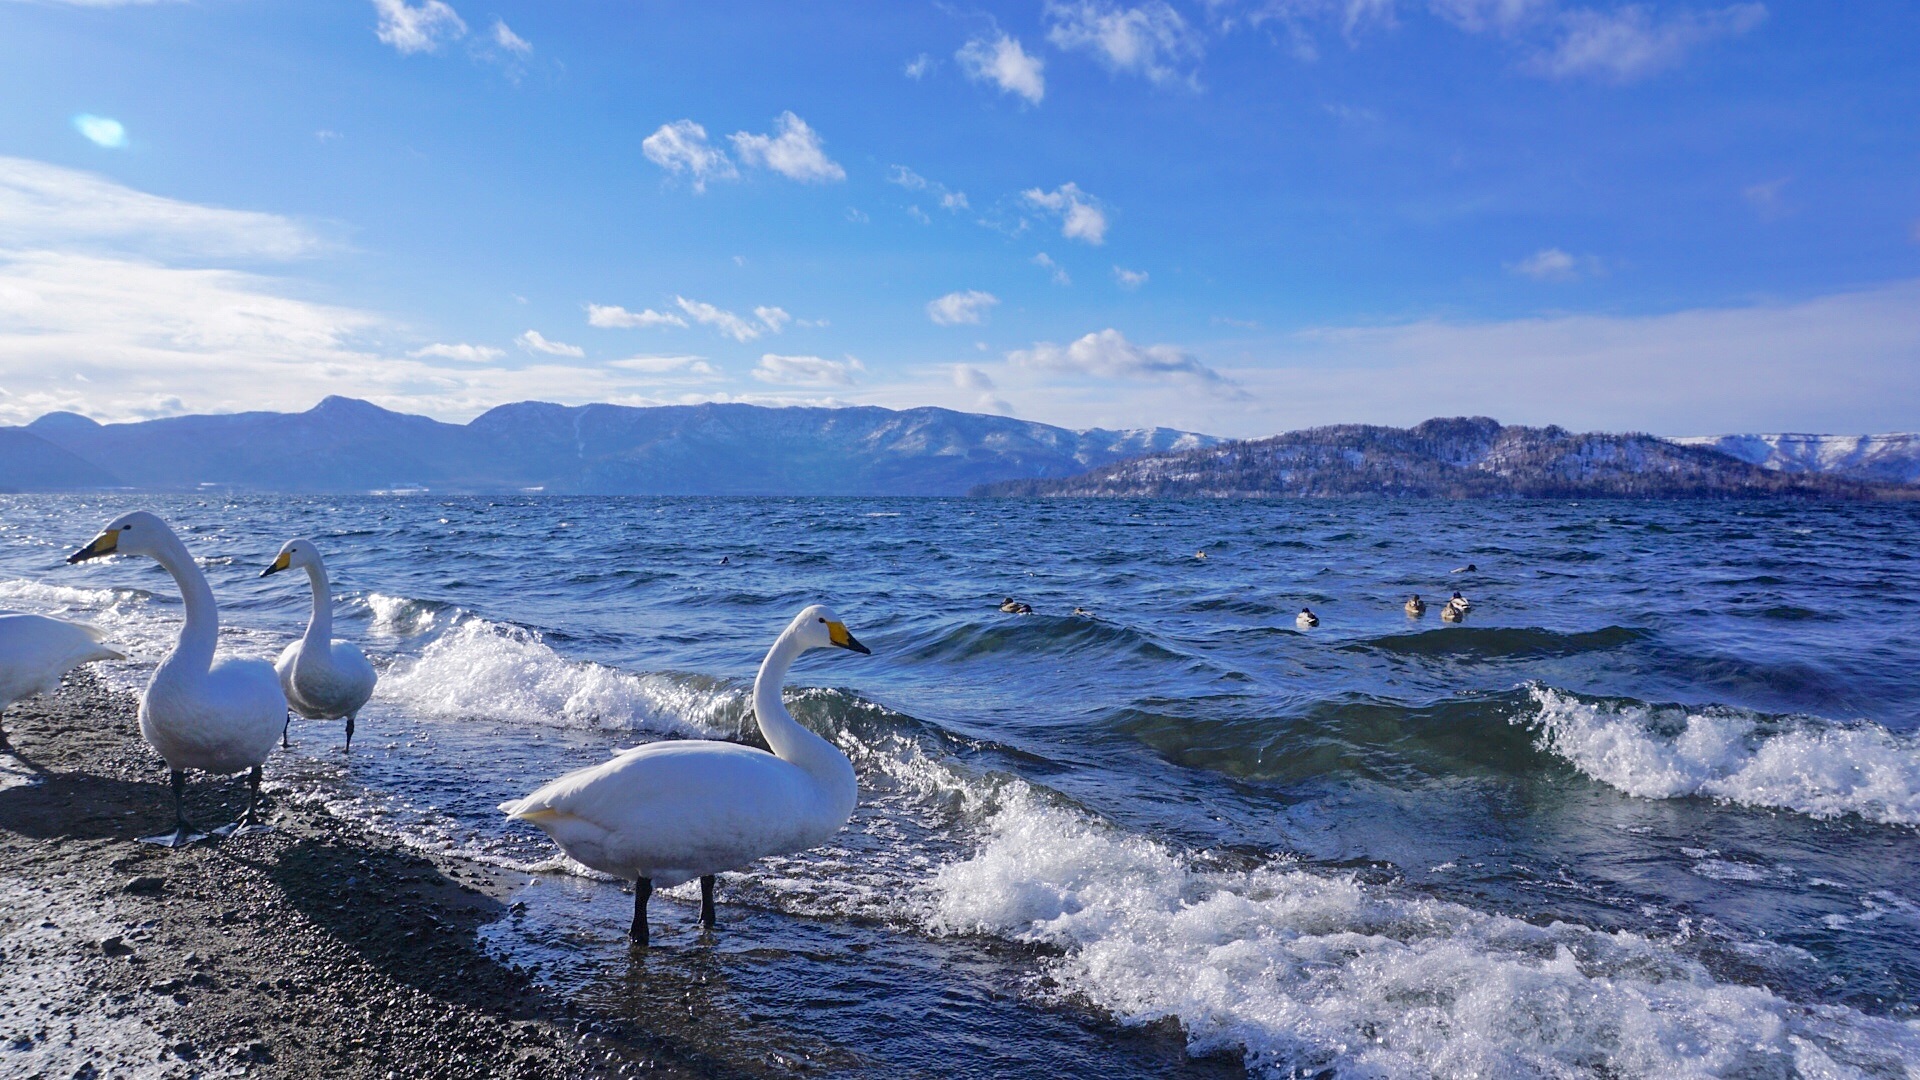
x=783, y=733
x=194, y=651
x=320, y=626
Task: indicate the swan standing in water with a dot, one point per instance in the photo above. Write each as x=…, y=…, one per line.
x=668, y=812
x=323, y=679
x=36, y=650
x=217, y=718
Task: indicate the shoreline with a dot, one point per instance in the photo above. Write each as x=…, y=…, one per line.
x=322, y=948
x=315, y=949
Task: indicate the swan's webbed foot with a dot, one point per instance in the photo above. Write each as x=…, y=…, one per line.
x=642, y=891
x=707, y=913
x=183, y=834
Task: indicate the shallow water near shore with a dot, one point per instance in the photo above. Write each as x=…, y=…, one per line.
x=1652, y=810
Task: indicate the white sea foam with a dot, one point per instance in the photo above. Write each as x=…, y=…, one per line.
x=482, y=668
x=1817, y=768
x=400, y=616
x=1300, y=971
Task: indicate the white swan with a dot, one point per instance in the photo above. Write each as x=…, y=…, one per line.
x=669, y=812
x=323, y=679
x=217, y=718
x=36, y=650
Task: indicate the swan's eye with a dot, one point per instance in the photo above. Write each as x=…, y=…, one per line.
x=823, y=620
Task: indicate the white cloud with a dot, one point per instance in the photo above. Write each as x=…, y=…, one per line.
x=1146, y=40
x=417, y=29
x=1553, y=264
x=720, y=319
x=1058, y=272
x=918, y=67
x=1109, y=355
x=806, y=370
x=1080, y=217
x=1479, y=16
x=773, y=318
x=1129, y=279
x=1629, y=42
x=533, y=341
x=667, y=365
x=919, y=215
x=1765, y=198
x=467, y=354
x=1837, y=363
x=682, y=147
x=950, y=200
x=101, y=130
x=1004, y=63
x=961, y=307
x=968, y=377
x=795, y=153
x=44, y=204
x=615, y=317
x=508, y=40
x=973, y=380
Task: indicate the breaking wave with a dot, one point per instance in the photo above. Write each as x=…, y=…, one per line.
x=1810, y=766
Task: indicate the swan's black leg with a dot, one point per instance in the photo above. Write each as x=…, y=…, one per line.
x=349, y=732
x=253, y=797
x=642, y=889
x=183, y=830
x=284, y=744
x=706, y=902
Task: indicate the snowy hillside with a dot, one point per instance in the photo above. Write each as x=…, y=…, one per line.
x=1884, y=459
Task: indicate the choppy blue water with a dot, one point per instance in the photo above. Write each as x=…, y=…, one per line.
x=1652, y=810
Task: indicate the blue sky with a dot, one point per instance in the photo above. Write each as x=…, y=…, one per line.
x=1236, y=217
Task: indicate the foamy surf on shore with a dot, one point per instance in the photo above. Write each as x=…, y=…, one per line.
x=1303, y=971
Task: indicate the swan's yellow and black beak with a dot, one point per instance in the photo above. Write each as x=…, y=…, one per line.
x=105, y=544
x=280, y=563
x=837, y=633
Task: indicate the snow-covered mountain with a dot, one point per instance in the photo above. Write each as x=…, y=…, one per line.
x=1874, y=459
x=343, y=444
x=1460, y=457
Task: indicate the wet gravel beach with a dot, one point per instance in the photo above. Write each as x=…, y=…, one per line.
x=311, y=950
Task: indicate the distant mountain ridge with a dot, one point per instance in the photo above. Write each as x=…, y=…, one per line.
x=1462, y=457
x=1884, y=459
x=347, y=445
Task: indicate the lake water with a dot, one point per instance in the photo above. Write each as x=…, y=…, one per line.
x=1653, y=809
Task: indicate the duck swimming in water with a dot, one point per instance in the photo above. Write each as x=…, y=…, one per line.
x=1460, y=602
x=1015, y=607
x=1453, y=614
x=1307, y=618
x=1416, y=607
x=1467, y=569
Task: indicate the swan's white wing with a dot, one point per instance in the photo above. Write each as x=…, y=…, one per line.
x=673, y=810
x=36, y=650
